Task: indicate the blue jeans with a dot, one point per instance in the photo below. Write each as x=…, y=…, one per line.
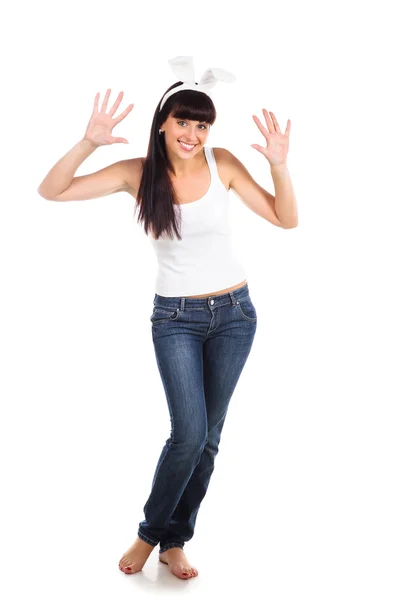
x=201, y=347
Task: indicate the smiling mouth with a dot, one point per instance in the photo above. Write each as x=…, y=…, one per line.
x=187, y=147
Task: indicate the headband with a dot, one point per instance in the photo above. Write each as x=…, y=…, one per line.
x=182, y=67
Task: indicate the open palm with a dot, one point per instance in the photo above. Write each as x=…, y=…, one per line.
x=277, y=142
x=101, y=124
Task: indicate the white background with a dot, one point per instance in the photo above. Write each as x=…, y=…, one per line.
x=302, y=502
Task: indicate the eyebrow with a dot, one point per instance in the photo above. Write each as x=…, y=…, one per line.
x=184, y=119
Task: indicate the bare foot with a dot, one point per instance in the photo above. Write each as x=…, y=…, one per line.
x=136, y=556
x=178, y=563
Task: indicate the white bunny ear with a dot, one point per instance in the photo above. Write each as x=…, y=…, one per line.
x=183, y=68
x=211, y=76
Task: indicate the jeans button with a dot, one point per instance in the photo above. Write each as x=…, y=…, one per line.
x=211, y=301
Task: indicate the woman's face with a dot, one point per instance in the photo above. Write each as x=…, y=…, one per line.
x=178, y=132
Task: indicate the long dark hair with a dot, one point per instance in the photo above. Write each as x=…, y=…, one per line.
x=156, y=196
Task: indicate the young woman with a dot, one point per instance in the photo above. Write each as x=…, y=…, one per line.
x=203, y=319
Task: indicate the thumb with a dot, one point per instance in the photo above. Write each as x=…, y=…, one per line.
x=257, y=147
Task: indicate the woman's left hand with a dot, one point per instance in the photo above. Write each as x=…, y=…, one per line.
x=277, y=142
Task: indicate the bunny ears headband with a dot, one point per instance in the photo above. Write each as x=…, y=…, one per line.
x=182, y=67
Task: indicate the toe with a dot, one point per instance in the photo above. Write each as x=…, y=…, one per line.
x=126, y=569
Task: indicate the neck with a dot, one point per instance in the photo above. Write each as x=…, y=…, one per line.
x=185, y=167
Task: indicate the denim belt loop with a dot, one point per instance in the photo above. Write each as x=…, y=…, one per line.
x=231, y=295
x=182, y=304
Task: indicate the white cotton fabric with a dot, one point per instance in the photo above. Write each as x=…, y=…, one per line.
x=203, y=261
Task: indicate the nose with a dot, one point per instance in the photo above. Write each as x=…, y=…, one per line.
x=190, y=135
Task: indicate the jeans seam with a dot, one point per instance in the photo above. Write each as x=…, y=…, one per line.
x=147, y=539
x=170, y=545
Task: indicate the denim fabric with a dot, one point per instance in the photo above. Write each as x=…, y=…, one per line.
x=201, y=347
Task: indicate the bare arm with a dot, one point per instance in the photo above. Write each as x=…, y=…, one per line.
x=60, y=176
x=60, y=182
x=61, y=185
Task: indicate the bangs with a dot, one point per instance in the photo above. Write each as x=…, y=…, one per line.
x=194, y=106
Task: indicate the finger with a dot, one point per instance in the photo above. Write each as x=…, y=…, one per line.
x=119, y=141
x=268, y=120
x=97, y=95
x=116, y=104
x=260, y=126
x=259, y=148
x=105, y=102
x=275, y=122
x=288, y=126
x=124, y=114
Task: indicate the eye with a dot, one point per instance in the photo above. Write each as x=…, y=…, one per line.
x=200, y=125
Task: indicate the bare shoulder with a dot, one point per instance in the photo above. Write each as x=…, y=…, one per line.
x=227, y=165
x=252, y=194
x=133, y=173
x=232, y=168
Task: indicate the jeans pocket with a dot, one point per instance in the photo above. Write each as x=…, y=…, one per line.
x=161, y=315
x=247, y=309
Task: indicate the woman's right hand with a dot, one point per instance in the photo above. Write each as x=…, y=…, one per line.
x=99, y=128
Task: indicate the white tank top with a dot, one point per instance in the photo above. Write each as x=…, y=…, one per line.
x=203, y=261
